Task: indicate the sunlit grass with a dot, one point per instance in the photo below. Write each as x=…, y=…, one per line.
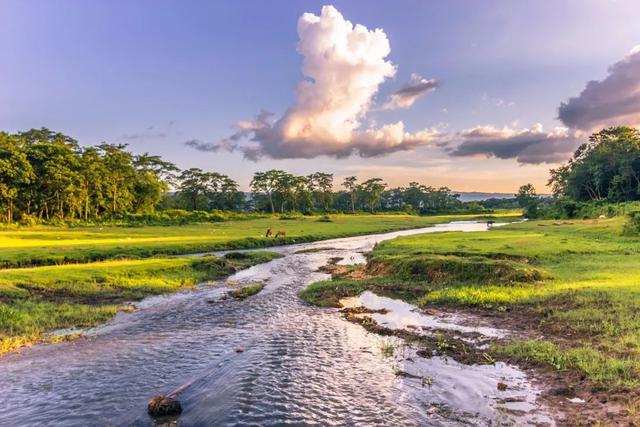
x=585, y=296
x=36, y=300
x=56, y=245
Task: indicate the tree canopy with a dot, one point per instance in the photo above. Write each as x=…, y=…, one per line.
x=605, y=168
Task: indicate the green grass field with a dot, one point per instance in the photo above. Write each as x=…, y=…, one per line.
x=81, y=277
x=36, y=300
x=56, y=245
x=577, y=282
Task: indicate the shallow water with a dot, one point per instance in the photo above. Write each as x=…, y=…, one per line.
x=300, y=364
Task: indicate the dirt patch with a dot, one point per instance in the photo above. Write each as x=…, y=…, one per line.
x=441, y=342
x=362, y=310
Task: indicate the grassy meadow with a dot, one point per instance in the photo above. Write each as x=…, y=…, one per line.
x=42, y=245
x=575, y=283
x=62, y=277
x=36, y=300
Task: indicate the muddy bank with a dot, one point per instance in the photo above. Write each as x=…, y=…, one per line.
x=472, y=337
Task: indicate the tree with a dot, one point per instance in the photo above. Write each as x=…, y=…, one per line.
x=321, y=186
x=607, y=167
x=223, y=192
x=194, y=185
x=272, y=184
x=350, y=183
x=15, y=171
x=372, y=191
x=120, y=177
x=528, y=200
x=152, y=178
x=49, y=175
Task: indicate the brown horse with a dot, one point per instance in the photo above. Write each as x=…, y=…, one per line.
x=281, y=233
x=269, y=232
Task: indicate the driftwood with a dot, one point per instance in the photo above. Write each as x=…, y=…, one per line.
x=164, y=406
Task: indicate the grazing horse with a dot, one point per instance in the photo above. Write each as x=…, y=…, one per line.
x=269, y=232
x=490, y=223
x=281, y=233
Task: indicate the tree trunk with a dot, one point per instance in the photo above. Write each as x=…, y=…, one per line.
x=273, y=208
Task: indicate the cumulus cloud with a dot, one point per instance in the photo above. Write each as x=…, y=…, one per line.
x=406, y=96
x=529, y=145
x=613, y=101
x=344, y=65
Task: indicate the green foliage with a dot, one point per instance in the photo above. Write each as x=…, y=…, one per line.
x=208, y=190
x=47, y=176
x=528, y=200
x=605, y=168
x=632, y=227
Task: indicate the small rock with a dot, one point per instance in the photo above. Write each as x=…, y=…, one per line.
x=163, y=406
x=576, y=400
x=239, y=350
x=502, y=386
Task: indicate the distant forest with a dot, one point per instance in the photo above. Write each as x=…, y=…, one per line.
x=47, y=176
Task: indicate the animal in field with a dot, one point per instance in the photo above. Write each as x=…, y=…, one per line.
x=281, y=233
x=269, y=233
x=490, y=223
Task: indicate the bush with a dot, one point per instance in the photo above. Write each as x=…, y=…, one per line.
x=324, y=218
x=28, y=220
x=632, y=227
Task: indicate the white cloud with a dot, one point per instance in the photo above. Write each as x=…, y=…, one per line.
x=344, y=65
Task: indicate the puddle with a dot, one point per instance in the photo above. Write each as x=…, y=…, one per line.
x=402, y=315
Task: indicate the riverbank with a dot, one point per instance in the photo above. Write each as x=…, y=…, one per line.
x=35, y=301
x=40, y=245
x=74, y=278
x=297, y=364
x=571, y=285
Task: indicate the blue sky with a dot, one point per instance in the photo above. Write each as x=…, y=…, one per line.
x=155, y=74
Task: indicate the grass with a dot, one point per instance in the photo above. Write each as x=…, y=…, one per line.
x=34, y=301
x=81, y=277
x=247, y=291
x=43, y=245
x=577, y=283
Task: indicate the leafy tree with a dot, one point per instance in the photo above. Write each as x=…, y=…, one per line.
x=371, y=190
x=321, y=186
x=270, y=184
x=528, y=199
x=194, y=185
x=351, y=185
x=605, y=168
x=15, y=171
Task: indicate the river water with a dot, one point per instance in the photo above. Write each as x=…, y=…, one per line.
x=268, y=360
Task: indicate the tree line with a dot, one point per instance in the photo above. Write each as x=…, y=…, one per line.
x=603, y=171
x=49, y=176
x=46, y=175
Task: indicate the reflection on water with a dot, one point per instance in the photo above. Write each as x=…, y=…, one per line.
x=471, y=392
x=300, y=364
x=402, y=315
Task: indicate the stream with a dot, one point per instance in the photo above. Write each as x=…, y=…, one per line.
x=268, y=360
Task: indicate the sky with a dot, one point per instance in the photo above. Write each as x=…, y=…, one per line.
x=476, y=96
